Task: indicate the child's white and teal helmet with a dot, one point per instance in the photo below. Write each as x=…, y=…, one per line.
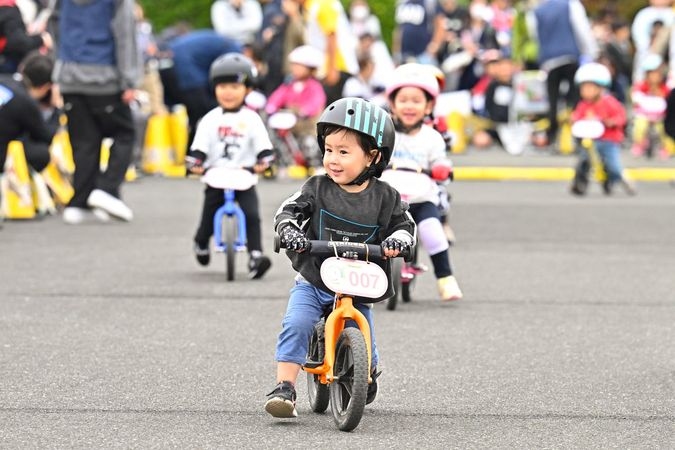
x=364, y=117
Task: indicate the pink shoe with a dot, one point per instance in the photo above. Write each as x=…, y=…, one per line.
x=664, y=154
x=637, y=150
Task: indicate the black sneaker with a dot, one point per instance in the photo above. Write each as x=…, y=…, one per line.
x=281, y=401
x=372, y=387
x=203, y=254
x=607, y=187
x=258, y=266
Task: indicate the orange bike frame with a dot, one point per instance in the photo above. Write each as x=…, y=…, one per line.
x=342, y=312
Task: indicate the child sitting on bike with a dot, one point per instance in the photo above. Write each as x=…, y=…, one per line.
x=642, y=93
x=302, y=93
x=231, y=135
x=411, y=95
x=595, y=103
x=348, y=203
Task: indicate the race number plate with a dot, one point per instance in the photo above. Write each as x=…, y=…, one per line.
x=353, y=277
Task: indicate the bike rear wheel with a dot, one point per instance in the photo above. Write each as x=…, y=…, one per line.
x=317, y=392
x=230, y=234
x=396, y=267
x=348, y=392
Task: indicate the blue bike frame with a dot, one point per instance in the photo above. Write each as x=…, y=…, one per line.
x=230, y=208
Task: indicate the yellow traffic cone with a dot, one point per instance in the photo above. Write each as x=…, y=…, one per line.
x=17, y=197
x=179, y=126
x=456, y=124
x=157, y=153
x=60, y=169
x=42, y=198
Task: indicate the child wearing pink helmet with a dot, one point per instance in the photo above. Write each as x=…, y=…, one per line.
x=412, y=95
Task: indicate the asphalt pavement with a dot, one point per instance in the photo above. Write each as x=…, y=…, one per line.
x=111, y=335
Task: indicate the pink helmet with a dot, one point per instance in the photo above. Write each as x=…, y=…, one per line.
x=413, y=75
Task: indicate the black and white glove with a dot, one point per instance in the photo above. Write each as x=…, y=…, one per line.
x=395, y=244
x=293, y=239
x=194, y=160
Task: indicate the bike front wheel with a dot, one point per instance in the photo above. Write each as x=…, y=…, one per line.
x=230, y=234
x=348, y=392
x=317, y=392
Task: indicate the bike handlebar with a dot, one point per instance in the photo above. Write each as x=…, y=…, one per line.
x=351, y=250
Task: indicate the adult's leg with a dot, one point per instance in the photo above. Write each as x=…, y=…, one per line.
x=37, y=154
x=85, y=138
x=116, y=121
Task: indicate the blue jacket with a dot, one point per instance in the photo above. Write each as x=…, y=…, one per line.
x=555, y=31
x=193, y=54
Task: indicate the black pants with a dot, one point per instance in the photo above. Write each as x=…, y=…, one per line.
x=91, y=118
x=248, y=201
x=553, y=81
x=37, y=154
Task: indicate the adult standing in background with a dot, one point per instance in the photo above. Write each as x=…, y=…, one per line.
x=283, y=30
x=563, y=31
x=643, y=32
x=414, y=28
x=186, y=76
x=327, y=28
x=97, y=68
x=240, y=20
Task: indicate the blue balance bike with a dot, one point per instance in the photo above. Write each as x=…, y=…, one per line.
x=229, y=222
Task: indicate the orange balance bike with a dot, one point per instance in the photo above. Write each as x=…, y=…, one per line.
x=339, y=357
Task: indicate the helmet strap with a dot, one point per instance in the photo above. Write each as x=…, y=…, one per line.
x=398, y=126
x=364, y=176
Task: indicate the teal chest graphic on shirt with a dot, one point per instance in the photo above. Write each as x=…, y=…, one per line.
x=334, y=228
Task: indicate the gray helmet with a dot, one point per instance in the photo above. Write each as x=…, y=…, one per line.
x=363, y=117
x=233, y=68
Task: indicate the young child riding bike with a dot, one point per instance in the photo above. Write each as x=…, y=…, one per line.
x=653, y=86
x=348, y=203
x=412, y=95
x=595, y=103
x=231, y=135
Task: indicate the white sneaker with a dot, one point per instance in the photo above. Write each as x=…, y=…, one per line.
x=73, y=215
x=449, y=289
x=112, y=205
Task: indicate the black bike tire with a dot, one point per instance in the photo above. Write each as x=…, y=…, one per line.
x=396, y=267
x=317, y=392
x=230, y=233
x=349, y=391
x=406, y=291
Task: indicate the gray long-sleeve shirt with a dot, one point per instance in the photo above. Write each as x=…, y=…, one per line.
x=325, y=211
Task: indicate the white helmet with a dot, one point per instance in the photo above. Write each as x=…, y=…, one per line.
x=652, y=61
x=414, y=75
x=307, y=56
x=593, y=73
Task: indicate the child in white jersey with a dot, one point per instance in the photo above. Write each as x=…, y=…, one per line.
x=231, y=135
x=411, y=95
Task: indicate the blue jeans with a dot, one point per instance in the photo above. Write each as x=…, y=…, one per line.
x=609, y=152
x=305, y=308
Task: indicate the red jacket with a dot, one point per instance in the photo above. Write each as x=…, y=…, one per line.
x=606, y=109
